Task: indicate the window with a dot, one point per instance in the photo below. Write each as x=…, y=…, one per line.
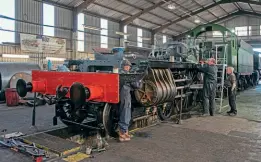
x=125, y=31
x=164, y=39
x=8, y=9
x=249, y=30
x=139, y=37
x=80, y=32
x=241, y=31
x=48, y=19
x=217, y=34
x=104, y=33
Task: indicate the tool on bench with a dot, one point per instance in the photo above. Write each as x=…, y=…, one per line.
x=19, y=146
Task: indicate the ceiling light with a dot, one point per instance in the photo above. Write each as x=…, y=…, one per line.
x=55, y=59
x=15, y=56
x=91, y=27
x=145, y=38
x=171, y=6
x=121, y=33
x=197, y=21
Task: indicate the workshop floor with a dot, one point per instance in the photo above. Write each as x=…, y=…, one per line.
x=220, y=138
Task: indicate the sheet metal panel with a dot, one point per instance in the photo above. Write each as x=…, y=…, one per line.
x=112, y=28
x=133, y=37
x=146, y=34
x=28, y=10
x=92, y=38
x=63, y=18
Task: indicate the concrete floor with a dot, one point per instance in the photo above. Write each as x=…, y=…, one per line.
x=220, y=138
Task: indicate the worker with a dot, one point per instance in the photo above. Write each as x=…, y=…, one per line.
x=125, y=103
x=209, y=86
x=231, y=85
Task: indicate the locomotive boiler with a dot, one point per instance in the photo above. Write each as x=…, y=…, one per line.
x=91, y=90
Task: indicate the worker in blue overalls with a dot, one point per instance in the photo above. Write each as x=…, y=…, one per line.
x=209, y=86
x=125, y=103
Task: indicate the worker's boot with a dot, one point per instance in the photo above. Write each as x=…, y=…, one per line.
x=231, y=111
x=128, y=136
x=122, y=136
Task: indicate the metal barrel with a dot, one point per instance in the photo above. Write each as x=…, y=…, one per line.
x=9, y=69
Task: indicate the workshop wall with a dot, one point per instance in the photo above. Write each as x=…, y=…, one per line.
x=29, y=20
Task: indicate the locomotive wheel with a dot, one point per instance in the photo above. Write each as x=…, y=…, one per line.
x=67, y=111
x=110, y=120
x=147, y=94
x=165, y=110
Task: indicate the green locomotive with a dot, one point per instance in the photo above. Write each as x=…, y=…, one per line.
x=216, y=41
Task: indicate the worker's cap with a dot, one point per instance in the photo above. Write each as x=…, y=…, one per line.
x=125, y=63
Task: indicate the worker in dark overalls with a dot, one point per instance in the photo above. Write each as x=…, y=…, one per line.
x=125, y=103
x=209, y=86
x=231, y=85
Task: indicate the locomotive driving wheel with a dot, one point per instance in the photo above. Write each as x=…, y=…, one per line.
x=165, y=110
x=110, y=120
x=147, y=94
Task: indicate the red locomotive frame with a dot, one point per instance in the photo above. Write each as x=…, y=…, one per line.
x=103, y=87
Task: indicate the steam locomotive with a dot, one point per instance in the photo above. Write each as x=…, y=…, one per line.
x=91, y=89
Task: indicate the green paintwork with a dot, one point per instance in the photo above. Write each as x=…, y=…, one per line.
x=236, y=55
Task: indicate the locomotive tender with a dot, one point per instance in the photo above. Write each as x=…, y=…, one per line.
x=92, y=91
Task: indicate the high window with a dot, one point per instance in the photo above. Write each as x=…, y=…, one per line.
x=217, y=34
x=104, y=33
x=164, y=39
x=125, y=31
x=48, y=19
x=139, y=38
x=7, y=9
x=80, y=32
x=241, y=31
x=249, y=30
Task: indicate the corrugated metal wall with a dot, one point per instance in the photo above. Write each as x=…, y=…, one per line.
x=145, y=42
x=30, y=11
x=64, y=19
x=113, y=38
x=29, y=15
x=133, y=37
x=92, y=37
x=240, y=21
x=247, y=20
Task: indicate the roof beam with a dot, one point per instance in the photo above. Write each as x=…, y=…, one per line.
x=163, y=18
x=54, y=4
x=245, y=1
x=251, y=8
x=240, y=12
x=207, y=10
x=84, y=5
x=133, y=17
x=201, y=10
x=185, y=17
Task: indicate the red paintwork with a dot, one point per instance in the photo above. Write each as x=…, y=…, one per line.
x=104, y=87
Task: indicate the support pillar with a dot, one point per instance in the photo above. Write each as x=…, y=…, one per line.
x=74, y=35
x=121, y=39
x=152, y=40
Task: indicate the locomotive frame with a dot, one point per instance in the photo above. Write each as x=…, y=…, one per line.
x=172, y=87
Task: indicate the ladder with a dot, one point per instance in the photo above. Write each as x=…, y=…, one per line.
x=222, y=71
